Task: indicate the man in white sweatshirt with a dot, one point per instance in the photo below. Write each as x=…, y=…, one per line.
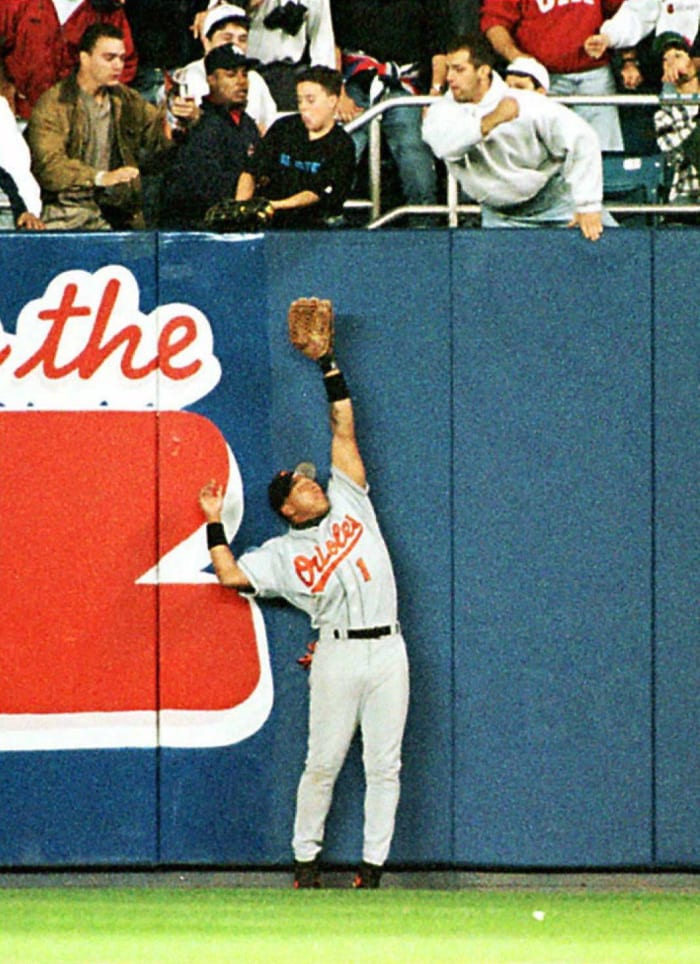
x=525, y=159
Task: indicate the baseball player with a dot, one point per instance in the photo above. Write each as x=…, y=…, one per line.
x=333, y=564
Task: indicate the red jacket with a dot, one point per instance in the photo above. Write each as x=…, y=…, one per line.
x=552, y=31
x=38, y=51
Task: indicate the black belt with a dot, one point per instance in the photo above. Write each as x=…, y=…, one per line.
x=370, y=632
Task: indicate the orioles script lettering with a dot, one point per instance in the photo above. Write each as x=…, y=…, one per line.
x=315, y=570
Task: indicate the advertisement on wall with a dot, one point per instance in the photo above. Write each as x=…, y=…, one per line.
x=125, y=384
x=110, y=581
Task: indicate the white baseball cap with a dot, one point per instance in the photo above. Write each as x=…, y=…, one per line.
x=224, y=11
x=529, y=67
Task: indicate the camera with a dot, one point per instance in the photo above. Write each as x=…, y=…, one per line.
x=288, y=18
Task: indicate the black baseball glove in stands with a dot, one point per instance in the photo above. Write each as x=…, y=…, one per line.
x=229, y=215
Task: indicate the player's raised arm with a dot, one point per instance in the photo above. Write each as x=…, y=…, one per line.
x=311, y=331
x=211, y=502
x=345, y=453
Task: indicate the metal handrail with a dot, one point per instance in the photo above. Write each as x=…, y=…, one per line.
x=372, y=117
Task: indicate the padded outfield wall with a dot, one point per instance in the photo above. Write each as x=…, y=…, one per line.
x=528, y=408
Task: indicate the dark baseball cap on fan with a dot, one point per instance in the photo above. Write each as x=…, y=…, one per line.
x=281, y=485
x=667, y=40
x=227, y=57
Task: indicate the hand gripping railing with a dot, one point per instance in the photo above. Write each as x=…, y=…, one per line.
x=452, y=208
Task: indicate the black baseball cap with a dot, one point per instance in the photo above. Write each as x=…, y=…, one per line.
x=281, y=485
x=227, y=57
x=668, y=39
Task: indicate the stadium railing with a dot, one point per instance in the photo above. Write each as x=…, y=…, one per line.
x=623, y=173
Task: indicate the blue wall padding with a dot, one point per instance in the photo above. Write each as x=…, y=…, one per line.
x=527, y=407
x=677, y=557
x=79, y=808
x=552, y=554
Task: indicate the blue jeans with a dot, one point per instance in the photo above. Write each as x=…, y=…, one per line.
x=402, y=129
x=603, y=119
x=552, y=207
x=7, y=221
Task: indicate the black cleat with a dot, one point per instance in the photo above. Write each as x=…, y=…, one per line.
x=306, y=874
x=367, y=877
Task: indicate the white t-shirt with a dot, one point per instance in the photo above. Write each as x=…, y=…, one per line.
x=275, y=45
x=636, y=19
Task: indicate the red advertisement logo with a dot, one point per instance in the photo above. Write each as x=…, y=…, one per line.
x=112, y=633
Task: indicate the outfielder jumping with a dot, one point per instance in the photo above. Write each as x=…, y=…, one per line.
x=333, y=564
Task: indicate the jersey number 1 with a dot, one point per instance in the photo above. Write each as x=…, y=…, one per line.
x=366, y=574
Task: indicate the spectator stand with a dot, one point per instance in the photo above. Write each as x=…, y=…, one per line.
x=634, y=183
x=635, y=180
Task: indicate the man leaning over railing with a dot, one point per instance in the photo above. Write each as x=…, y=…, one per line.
x=525, y=158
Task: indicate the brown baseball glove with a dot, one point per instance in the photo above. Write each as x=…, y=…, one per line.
x=311, y=327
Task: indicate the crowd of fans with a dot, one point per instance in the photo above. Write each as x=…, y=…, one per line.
x=122, y=114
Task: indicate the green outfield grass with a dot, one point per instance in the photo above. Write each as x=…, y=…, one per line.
x=207, y=926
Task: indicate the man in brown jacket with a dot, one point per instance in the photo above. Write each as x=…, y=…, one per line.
x=88, y=135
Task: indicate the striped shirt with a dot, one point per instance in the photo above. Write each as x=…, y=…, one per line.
x=675, y=123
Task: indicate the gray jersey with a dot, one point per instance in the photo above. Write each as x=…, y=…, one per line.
x=339, y=571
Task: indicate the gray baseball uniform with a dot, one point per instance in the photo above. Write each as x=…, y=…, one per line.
x=339, y=572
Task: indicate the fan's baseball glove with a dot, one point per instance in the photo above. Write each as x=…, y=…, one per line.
x=230, y=215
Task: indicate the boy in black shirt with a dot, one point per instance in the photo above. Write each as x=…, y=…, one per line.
x=305, y=165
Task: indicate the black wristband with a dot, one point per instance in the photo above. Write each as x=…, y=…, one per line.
x=336, y=389
x=327, y=363
x=216, y=535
